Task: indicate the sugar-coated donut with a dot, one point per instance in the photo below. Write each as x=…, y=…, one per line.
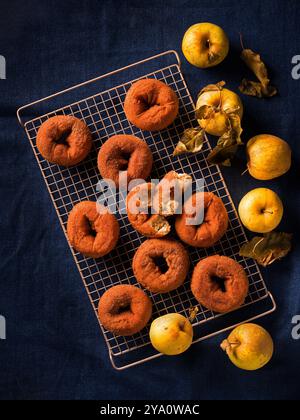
x=124, y=310
x=92, y=230
x=64, y=140
x=211, y=229
x=148, y=261
x=125, y=154
x=151, y=105
x=139, y=212
x=220, y=284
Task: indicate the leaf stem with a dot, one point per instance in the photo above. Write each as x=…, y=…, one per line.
x=247, y=170
x=241, y=41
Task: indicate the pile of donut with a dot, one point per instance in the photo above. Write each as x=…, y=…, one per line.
x=218, y=283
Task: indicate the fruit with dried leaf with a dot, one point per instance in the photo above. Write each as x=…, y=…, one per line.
x=269, y=157
x=214, y=105
x=205, y=45
x=249, y=347
x=219, y=112
x=261, y=210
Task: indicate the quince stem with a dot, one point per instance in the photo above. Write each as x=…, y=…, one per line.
x=229, y=347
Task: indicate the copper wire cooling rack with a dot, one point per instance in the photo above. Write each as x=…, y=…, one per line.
x=103, y=113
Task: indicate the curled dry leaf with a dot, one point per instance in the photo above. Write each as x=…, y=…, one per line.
x=229, y=142
x=222, y=155
x=269, y=248
x=261, y=89
x=213, y=87
x=205, y=112
x=193, y=311
x=191, y=141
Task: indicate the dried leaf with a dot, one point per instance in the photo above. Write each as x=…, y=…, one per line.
x=205, y=112
x=261, y=89
x=269, y=248
x=222, y=155
x=228, y=144
x=251, y=88
x=234, y=110
x=191, y=141
x=193, y=311
x=213, y=87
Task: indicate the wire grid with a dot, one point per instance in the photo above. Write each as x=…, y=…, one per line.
x=104, y=115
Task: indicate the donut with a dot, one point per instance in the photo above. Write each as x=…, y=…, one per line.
x=92, y=230
x=138, y=205
x=169, y=194
x=161, y=265
x=125, y=154
x=220, y=284
x=124, y=310
x=151, y=105
x=207, y=231
x=64, y=140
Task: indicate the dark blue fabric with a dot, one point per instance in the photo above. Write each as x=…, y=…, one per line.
x=54, y=348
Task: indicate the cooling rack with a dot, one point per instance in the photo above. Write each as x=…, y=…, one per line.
x=103, y=113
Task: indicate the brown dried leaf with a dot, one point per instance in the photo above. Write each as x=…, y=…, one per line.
x=228, y=144
x=222, y=155
x=261, y=89
x=269, y=248
x=213, y=87
x=193, y=311
x=205, y=112
x=251, y=88
x=191, y=141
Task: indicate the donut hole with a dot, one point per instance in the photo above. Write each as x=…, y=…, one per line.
x=91, y=228
x=161, y=263
x=124, y=161
x=147, y=102
x=121, y=307
x=220, y=282
x=63, y=138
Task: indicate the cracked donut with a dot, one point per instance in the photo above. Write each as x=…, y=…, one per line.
x=64, y=140
x=169, y=196
x=124, y=310
x=220, y=284
x=161, y=265
x=125, y=154
x=151, y=105
x=92, y=230
x=205, y=232
x=139, y=202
